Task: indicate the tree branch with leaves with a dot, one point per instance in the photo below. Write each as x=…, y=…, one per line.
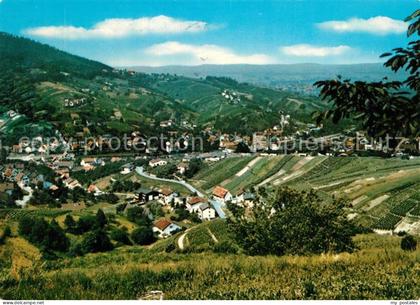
x=384, y=107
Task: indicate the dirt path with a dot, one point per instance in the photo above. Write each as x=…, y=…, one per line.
x=275, y=176
x=213, y=236
x=181, y=240
x=248, y=166
x=375, y=202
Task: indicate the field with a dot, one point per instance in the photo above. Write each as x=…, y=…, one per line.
x=378, y=270
x=374, y=187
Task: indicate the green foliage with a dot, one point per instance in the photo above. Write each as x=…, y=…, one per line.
x=381, y=270
x=138, y=216
x=388, y=222
x=143, y=236
x=383, y=107
x=165, y=171
x=156, y=209
x=120, y=186
x=87, y=177
x=408, y=243
x=194, y=167
x=242, y=148
x=96, y=241
x=120, y=236
x=48, y=236
x=85, y=223
x=293, y=222
x=225, y=247
x=101, y=219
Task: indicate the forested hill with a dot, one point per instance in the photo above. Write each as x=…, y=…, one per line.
x=53, y=90
x=17, y=53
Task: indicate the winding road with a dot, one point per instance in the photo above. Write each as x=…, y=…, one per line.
x=192, y=189
x=215, y=203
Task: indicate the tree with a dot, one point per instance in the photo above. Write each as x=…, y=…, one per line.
x=85, y=224
x=55, y=238
x=138, y=215
x=384, y=107
x=96, y=241
x=70, y=223
x=121, y=236
x=101, y=219
x=242, y=148
x=143, y=235
x=292, y=222
x=408, y=243
x=7, y=232
x=193, y=167
x=48, y=236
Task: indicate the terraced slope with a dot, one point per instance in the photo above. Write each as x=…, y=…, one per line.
x=377, y=189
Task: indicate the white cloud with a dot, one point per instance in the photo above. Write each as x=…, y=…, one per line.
x=120, y=28
x=307, y=50
x=379, y=25
x=205, y=54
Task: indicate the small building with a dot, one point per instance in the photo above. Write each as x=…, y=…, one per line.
x=193, y=204
x=182, y=167
x=167, y=195
x=145, y=195
x=205, y=212
x=157, y=162
x=222, y=194
x=165, y=228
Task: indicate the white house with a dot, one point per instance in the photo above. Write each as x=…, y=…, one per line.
x=193, y=204
x=222, y=194
x=157, y=162
x=165, y=228
x=167, y=195
x=205, y=212
x=182, y=167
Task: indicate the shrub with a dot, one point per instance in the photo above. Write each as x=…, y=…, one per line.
x=143, y=236
x=101, y=220
x=274, y=224
x=48, y=236
x=408, y=243
x=7, y=232
x=70, y=223
x=85, y=224
x=120, y=236
x=170, y=248
x=96, y=241
x=225, y=247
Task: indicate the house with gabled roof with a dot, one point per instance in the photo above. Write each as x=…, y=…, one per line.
x=145, y=195
x=193, y=203
x=206, y=212
x=167, y=195
x=164, y=228
x=222, y=194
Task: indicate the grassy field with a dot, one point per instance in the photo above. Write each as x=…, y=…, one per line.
x=375, y=187
x=215, y=174
x=378, y=270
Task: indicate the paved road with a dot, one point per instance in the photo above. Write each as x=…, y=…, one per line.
x=215, y=203
x=192, y=189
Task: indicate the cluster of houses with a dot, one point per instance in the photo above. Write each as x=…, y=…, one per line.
x=231, y=96
x=18, y=173
x=203, y=207
x=74, y=102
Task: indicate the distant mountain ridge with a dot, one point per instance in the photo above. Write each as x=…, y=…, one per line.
x=281, y=74
x=52, y=90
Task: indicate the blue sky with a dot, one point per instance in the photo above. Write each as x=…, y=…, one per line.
x=186, y=32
